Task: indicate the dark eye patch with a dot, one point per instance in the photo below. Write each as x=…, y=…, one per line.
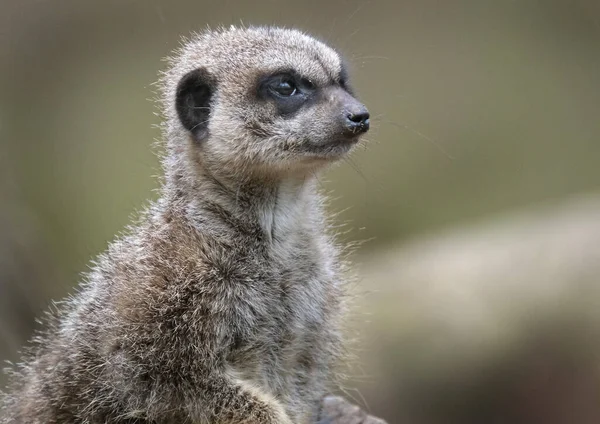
x=307, y=84
x=288, y=90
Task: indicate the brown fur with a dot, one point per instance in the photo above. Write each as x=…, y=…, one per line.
x=223, y=304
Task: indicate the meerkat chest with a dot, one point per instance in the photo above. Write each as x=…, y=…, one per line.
x=305, y=277
x=293, y=305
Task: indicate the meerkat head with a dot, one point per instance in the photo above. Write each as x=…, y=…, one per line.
x=261, y=100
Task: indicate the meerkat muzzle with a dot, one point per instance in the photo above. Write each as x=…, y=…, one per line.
x=358, y=122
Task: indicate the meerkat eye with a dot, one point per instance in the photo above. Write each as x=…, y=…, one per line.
x=285, y=88
x=288, y=91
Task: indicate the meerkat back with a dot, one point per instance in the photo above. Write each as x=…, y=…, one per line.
x=224, y=301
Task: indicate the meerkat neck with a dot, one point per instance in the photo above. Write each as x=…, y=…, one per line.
x=286, y=210
x=281, y=208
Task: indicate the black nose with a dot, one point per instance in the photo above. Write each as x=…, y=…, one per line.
x=358, y=121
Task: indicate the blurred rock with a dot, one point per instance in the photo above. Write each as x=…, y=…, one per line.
x=490, y=322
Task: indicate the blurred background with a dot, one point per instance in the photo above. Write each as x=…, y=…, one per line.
x=478, y=195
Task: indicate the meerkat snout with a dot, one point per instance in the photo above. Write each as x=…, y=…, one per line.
x=355, y=116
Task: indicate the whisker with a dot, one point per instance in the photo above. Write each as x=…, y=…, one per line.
x=198, y=124
x=315, y=175
x=355, y=166
x=370, y=57
x=422, y=136
x=361, y=399
x=358, y=9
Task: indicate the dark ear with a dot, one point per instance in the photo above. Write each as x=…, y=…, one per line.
x=194, y=93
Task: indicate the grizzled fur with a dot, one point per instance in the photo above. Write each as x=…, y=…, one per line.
x=223, y=304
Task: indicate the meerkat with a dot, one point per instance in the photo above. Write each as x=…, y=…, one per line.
x=224, y=302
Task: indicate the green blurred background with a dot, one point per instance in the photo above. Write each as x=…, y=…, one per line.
x=478, y=192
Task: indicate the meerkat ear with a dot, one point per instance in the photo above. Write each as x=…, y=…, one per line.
x=194, y=93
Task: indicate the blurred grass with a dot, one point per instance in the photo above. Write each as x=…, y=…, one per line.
x=509, y=90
